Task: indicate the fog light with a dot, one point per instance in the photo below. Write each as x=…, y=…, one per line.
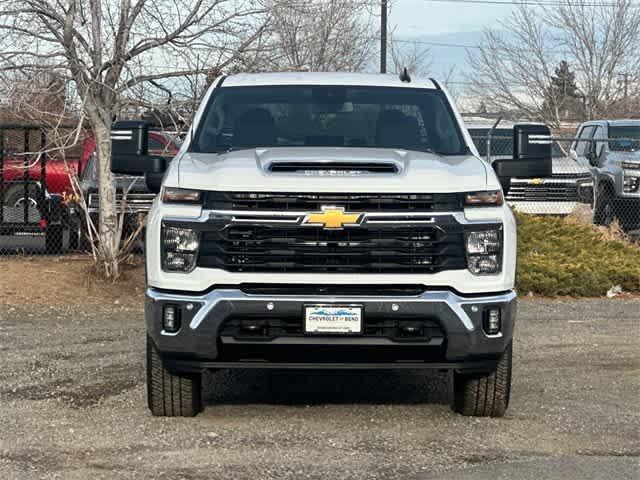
x=631, y=184
x=483, y=264
x=409, y=328
x=253, y=327
x=170, y=318
x=492, y=322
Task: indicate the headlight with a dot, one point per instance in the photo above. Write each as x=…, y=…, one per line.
x=491, y=198
x=179, y=249
x=484, y=251
x=180, y=195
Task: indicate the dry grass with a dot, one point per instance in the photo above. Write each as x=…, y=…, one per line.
x=583, y=215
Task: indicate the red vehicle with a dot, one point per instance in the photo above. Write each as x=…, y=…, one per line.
x=32, y=181
x=58, y=172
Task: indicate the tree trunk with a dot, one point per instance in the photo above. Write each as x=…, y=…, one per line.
x=109, y=233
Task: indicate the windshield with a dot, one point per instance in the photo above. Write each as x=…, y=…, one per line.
x=502, y=142
x=629, y=135
x=329, y=116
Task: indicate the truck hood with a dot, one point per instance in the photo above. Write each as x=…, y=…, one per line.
x=566, y=166
x=253, y=170
x=616, y=156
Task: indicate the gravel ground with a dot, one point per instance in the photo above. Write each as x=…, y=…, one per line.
x=72, y=400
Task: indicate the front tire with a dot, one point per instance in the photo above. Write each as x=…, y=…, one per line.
x=484, y=395
x=168, y=394
x=605, y=211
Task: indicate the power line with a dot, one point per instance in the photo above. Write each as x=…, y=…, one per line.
x=465, y=46
x=534, y=3
x=436, y=44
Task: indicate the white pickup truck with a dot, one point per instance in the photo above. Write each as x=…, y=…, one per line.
x=332, y=221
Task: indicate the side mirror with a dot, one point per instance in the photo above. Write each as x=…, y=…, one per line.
x=130, y=153
x=590, y=153
x=594, y=152
x=531, y=154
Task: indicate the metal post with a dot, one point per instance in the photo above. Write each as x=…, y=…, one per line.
x=43, y=172
x=489, y=136
x=1, y=175
x=383, y=36
x=25, y=176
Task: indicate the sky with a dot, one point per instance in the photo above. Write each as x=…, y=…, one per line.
x=449, y=22
x=429, y=17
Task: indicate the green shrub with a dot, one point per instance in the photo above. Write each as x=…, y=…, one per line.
x=560, y=257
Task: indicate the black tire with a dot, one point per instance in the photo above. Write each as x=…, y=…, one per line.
x=171, y=395
x=484, y=395
x=605, y=210
x=53, y=239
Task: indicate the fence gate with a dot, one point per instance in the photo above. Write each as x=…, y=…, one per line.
x=27, y=211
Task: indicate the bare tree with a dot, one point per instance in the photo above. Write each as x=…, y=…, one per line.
x=29, y=98
x=413, y=56
x=514, y=67
x=108, y=47
x=317, y=35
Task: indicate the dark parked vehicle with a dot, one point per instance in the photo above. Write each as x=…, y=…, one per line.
x=569, y=185
x=138, y=197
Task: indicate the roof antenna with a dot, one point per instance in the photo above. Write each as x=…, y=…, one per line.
x=404, y=75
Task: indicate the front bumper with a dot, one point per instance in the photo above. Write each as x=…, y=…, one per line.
x=199, y=345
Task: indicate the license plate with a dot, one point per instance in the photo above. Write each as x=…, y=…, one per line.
x=332, y=319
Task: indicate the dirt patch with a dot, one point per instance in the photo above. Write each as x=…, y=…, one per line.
x=65, y=280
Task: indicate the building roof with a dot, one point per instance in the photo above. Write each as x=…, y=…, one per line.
x=324, y=78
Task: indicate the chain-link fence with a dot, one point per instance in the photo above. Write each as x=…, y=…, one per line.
x=595, y=179
x=35, y=189
x=49, y=191
x=49, y=201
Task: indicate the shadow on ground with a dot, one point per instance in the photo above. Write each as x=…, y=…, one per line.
x=303, y=387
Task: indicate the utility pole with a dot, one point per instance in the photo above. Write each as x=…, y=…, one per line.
x=625, y=80
x=383, y=36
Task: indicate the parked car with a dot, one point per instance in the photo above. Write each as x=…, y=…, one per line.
x=329, y=220
x=569, y=185
x=610, y=149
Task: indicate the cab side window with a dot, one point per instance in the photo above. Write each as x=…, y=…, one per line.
x=599, y=135
x=582, y=145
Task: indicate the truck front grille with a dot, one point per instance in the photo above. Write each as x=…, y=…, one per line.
x=379, y=248
x=547, y=192
x=135, y=202
x=353, y=202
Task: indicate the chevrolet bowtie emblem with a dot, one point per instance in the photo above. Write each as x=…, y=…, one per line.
x=332, y=218
x=536, y=181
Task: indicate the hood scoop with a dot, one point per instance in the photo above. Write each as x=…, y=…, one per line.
x=334, y=169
